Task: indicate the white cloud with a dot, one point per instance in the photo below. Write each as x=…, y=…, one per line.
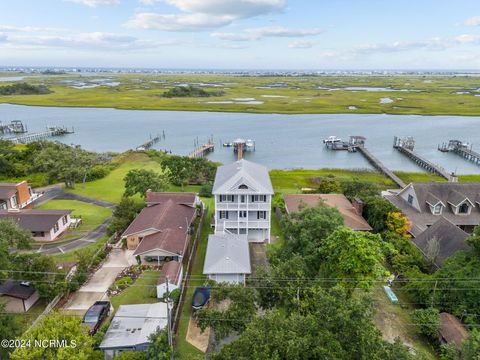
x=238, y=9
x=398, y=46
x=468, y=39
x=202, y=14
x=170, y=22
x=259, y=33
x=12, y=28
x=473, y=21
x=95, y=3
x=301, y=44
x=98, y=41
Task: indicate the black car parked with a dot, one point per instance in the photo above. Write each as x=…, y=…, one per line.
x=95, y=315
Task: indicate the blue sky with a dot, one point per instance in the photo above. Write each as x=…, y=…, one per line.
x=242, y=34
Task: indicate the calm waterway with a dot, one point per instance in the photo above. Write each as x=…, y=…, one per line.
x=282, y=141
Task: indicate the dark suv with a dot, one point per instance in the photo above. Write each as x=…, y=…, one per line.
x=95, y=315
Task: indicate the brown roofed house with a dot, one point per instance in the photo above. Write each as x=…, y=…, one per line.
x=352, y=215
x=16, y=195
x=45, y=225
x=18, y=296
x=162, y=229
x=451, y=330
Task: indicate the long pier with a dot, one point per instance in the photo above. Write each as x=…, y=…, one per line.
x=462, y=149
x=202, y=150
x=148, y=144
x=406, y=146
x=357, y=143
x=51, y=132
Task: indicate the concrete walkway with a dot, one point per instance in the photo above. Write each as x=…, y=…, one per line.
x=96, y=288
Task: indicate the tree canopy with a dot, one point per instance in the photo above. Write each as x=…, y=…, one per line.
x=138, y=181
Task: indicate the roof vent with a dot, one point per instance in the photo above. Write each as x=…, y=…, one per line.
x=25, y=283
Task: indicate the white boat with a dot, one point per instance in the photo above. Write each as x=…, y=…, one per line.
x=332, y=140
x=250, y=143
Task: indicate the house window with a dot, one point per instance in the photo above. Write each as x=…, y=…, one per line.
x=243, y=187
x=14, y=202
x=3, y=205
x=242, y=198
x=64, y=220
x=242, y=214
x=261, y=215
x=410, y=199
x=464, y=208
x=226, y=198
x=223, y=215
x=38, y=234
x=437, y=210
x=56, y=227
x=259, y=198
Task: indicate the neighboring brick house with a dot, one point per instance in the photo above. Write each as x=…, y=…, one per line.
x=351, y=213
x=16, y=196
x=45, y=225
x=163, y=228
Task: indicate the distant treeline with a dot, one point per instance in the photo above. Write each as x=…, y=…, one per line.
x=190, y=91
x=24, y=89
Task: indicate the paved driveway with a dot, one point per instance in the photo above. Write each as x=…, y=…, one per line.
x=95, y=289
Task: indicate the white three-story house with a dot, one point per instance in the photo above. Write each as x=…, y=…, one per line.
x=243, y=200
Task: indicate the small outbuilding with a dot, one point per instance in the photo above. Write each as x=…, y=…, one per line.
x=131, y=328
x=172, y=271
x=18, y=296
x=228, y=258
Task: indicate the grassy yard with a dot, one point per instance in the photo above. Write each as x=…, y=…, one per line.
x=185, y=349
x=92, y=215
x=111, y=187
x=394, y=320
x=70, y=255
x=139, y=291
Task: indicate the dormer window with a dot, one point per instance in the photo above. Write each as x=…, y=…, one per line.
x=243, y=187
x=437, y=209
x=464, y=208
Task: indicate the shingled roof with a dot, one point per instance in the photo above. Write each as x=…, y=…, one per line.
x=351, y=218
x=165, y=224
x=451, y=330
x=227, y=254
x=450, y=238
x=242, y=172
x=15, y=289
x=7, y=190
x=170, y=270
x=34, y=220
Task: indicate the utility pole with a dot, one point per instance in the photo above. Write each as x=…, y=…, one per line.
x=434, y=290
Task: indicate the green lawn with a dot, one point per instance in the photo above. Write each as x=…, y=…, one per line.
x=70, y=255
x=139, y=291
x=92, y=215
x=184, y=348
x=111, y=187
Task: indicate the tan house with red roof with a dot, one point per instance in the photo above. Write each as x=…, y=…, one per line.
x=162, y=229
x=16, y=195
x=352, y=215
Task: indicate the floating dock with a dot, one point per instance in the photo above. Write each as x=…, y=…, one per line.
x=15, y=127
x=241, y=145
x=461, y=148
x=406, y=146
x=358, y=144
x=148, y=144
x=50, y=132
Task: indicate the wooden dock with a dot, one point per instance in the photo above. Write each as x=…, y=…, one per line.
x=406, y=146
x=462, y=149
x=149, y=143
x=51, y=132
x=358, y=144
x=202, y=150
